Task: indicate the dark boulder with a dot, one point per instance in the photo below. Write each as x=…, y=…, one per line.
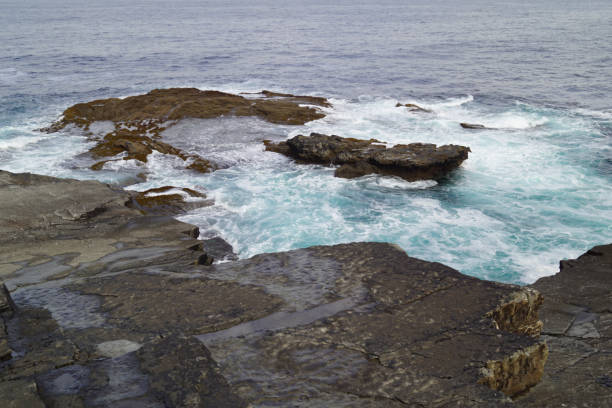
x=473, y=126
x=415, y=161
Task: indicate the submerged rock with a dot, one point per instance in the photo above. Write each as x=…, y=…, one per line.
x=168, y=200
x=150, y=110
x=415, y=161
x=413, y=107
x=473, y=126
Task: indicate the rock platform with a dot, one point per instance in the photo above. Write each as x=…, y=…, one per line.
x=106, y=305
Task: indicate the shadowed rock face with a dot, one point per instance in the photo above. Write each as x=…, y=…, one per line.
x=415, y=161
x=112, y=309
x=139, y=120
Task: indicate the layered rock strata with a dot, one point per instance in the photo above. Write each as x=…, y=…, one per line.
x=356, y=158
x=105, y=306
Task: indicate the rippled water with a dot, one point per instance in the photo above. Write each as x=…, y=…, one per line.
x=534, y=191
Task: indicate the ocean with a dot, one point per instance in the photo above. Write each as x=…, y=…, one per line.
x=536, y=189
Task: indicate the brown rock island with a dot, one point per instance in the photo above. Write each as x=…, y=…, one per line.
x=140, y=120
x=415, y=161
x=104, y=304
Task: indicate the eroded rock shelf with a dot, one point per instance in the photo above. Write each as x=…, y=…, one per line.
x=106, y=304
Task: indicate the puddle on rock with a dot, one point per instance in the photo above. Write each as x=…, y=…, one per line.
x=300, y=278
x=121, y=379
x=30, y=275
x=65, y=380
x=70, y=309
x=280, y=320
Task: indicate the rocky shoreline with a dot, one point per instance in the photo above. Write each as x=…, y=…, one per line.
x=106, y=303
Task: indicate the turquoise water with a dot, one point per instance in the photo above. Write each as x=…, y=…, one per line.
x=534, y=191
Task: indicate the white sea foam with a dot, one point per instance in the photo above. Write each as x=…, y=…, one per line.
x=101, y=127
x=119, y=165
x=599, y=114
x=49, y=155
x=186, y=196
x=249, y=86
x=397, y=183
x=267, y=203
x=522, y=200
x=19, y=142
x=452, y=102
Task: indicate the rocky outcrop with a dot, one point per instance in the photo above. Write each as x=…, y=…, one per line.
x=114, y=308
x=140, y=120
x=149, y=111
x=415, y=161
x=517, y=373
x=519, y=313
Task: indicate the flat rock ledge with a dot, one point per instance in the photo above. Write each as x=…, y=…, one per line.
x=356, y=158
x=103, y=305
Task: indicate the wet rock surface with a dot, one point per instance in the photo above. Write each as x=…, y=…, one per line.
x=115, y=309
x=183, y=374
x=415, y=161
